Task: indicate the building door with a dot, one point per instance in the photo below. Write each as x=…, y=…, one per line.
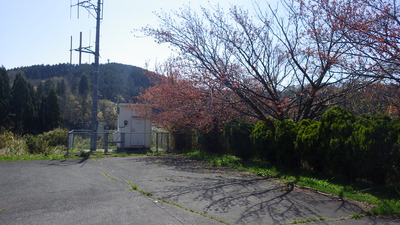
x=138, y=131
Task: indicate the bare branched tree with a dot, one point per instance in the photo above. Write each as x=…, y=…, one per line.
x=281, y=68
x=373, y=29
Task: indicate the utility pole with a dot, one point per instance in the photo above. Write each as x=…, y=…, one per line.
x=95, y=83
x=91, y=7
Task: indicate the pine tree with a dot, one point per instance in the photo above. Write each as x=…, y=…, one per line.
x=23, y=106
x=5, y=94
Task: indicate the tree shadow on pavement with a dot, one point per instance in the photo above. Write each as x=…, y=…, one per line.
x=239, y=197
x=68, y=162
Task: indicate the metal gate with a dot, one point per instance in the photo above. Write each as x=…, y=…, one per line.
x=160, y=142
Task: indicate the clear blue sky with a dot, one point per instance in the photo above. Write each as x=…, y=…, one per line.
x=39, y=32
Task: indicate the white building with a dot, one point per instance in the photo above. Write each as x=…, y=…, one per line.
x=133, y=131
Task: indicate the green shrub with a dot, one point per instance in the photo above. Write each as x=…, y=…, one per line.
x=212, y=141
x=285, y=137
x=263, y=140
x=182, y=141
x=335, y=131
x=374, y=142
x=11, y=144
x=308, y=145
x=56, y=137
x=393, y=178
x=237, y=137
x=37, y=145
x=51, y=142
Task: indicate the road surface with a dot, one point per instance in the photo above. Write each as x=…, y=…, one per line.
x=157, y=190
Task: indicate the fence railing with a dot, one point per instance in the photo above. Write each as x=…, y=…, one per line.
x=79, y=140
x=160, y=141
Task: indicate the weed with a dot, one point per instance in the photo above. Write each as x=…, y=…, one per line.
x=148, y=194
x=27, y=157
x=309, y=220
x=386, y=207
x=12, y=144
x=357, y=216
x=107, y=175
x=133, y=187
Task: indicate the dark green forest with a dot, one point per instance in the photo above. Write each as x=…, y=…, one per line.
x=116, y=81
x=39, y=98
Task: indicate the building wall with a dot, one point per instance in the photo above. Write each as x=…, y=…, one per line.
x=137, y=130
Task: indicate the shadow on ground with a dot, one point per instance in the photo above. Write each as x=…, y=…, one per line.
x=236, y=197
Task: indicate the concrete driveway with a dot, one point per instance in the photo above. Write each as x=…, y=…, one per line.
x=167, y=190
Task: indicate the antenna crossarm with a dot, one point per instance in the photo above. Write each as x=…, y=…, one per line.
x=85, y=50
x=89, y=6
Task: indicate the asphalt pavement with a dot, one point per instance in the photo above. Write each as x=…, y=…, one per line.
x=157, y=190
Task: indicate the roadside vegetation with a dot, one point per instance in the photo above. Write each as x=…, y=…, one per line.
x=51, y=145
x=381, y=200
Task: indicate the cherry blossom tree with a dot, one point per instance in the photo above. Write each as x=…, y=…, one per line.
x=370, y=27
x=278, y=68
x=178, y=103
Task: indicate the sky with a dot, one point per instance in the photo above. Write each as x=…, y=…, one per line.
x=39, y=32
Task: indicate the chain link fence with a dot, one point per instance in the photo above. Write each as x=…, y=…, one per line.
x=112, y=141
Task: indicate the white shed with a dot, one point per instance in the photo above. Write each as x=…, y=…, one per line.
x=133, y=131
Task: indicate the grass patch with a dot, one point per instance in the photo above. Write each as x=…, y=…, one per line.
x=86, y=155
x=309, y=220
x=357, y=216
x=216, y=160
x=387, y=202
x=29, y=157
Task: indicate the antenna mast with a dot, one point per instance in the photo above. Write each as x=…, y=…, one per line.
x=96, y=12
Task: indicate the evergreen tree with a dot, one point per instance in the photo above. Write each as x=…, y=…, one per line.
x=5, y=94
x=61, y=88
x=40, y=90
x=23, y=106
x=48, y=85
x=83, y=85
x=49, y=112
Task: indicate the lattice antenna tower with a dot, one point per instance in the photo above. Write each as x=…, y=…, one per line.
x=96, y=11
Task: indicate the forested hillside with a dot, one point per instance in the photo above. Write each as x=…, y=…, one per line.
x=116, y=81
x=63, y=91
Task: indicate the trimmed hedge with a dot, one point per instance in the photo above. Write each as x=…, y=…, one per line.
x=237, y=136
x=340, y=144
x=262, y=139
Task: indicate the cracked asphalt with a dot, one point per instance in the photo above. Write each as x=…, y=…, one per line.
x=179, y=191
